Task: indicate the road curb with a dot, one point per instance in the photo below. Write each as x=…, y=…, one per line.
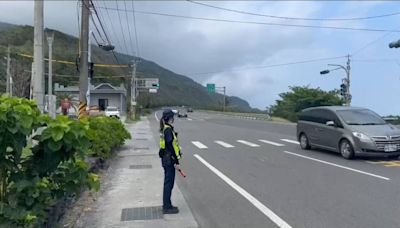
x=248, y=117
x=134, y=182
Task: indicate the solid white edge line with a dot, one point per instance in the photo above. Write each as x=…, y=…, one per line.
x=265, y=210
x=269, y=142
x=247, y=143
x=290, y=141
x=339, y=166
x=155, y=114
x=199, y=145
x=224, y=144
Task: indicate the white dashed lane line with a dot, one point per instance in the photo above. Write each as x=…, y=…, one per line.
x=224, y=144
x=199, y=145
x=248, y=143
x=290, y=141
x=270, y=142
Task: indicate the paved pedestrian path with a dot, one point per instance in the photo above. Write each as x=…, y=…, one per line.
x=131, y=194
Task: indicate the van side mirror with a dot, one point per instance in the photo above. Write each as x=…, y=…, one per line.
x=330, y=123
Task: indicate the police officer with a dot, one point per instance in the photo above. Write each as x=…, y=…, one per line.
x=170, y=154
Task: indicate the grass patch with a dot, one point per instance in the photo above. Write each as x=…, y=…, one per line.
x=279, y=119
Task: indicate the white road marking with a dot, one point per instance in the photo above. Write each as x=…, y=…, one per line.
x=224, y=144
x=155, y=114
x=248, y=143
x=290, y=141
x=269, y=142
x=340, y=166
x=199, y=145
x=265, y=210
x=189, y=119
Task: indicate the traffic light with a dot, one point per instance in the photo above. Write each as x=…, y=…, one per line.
x=343, y=89
x=394, y=44
x=91, y=70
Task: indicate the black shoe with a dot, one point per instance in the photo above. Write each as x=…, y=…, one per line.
x=171, y=210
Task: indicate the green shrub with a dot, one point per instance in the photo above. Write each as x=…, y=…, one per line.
x=106, y=133
x=38, y=170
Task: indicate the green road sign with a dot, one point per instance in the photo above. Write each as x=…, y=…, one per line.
x=211, y=88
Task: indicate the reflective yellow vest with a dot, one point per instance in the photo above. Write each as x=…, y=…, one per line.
x=175, y=142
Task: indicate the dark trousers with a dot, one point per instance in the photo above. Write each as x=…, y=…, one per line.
x=169, y=179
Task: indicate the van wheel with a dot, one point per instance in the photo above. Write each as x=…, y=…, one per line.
x=346, y=149
x=304, y=143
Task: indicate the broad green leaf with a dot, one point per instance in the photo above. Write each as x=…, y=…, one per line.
x=54, y=145
x=57, y=133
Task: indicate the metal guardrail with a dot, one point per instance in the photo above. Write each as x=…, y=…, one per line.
x=251, y=116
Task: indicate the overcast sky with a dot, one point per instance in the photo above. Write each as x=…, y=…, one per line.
x=233, y=51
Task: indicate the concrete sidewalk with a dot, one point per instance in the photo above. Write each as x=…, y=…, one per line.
x=131, y=193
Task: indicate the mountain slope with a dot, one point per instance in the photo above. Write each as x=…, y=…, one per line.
x=174, y=89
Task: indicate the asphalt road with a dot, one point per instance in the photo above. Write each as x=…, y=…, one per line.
x=236, y=180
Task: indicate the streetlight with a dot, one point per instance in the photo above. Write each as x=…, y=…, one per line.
x=106, y=47
x=345, y=87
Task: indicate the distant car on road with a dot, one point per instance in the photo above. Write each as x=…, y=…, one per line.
x=182, y=114
x=112, y=112
x=189, y=110
x=348, y=130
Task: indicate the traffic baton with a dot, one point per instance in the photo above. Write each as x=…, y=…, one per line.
x=182, y=173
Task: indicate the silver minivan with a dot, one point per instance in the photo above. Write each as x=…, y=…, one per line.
x=348, y=130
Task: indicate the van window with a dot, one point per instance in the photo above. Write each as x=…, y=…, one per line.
x=328, y=115
x=360, y=117
x=320, y=116
x=311, y=115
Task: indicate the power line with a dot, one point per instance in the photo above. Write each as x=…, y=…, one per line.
x=112, y=27
x=97, y=29
x=274, y=65
x=122, y=28
x=260, y=23
x=374, y=60
x=371, y=43
x=296, y=18
x=129, y=29
x=101, y=24
x=95, y=38
x=136, y=34
x=73, y=63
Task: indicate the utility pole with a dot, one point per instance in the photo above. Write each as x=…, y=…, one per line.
x=90, y=67
x=224, y=97
x=345, y=86
x=50, y=39
x=348, y=95
x=132, y=102
x=51, y=109
x=8, y=86
x=38, y=88
x=83, y=65
x=219, y=90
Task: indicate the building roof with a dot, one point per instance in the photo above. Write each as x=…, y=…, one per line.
x=103, y=88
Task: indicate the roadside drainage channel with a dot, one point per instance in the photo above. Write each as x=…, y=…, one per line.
x=141, y=213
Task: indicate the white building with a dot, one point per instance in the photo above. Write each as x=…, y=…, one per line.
x=102, y=95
